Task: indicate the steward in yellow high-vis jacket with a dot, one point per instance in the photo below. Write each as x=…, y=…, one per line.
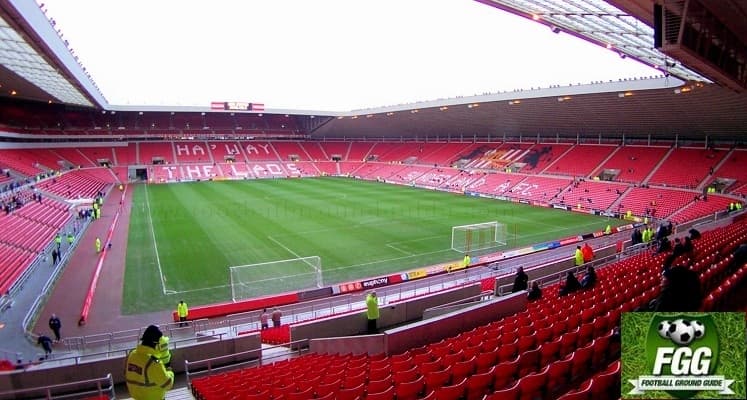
x=162, y=351
x=146, y=376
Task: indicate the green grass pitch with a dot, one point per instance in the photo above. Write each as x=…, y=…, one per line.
x=183, y=237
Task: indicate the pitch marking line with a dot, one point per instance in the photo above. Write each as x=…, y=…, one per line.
x=155, y=244
x=392, y=246
x=293, y=252
x=284, y=247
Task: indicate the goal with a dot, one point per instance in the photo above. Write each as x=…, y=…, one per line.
x=476, y=237
x=261, y=279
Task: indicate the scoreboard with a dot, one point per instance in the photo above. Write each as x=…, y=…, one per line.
x=236, y=106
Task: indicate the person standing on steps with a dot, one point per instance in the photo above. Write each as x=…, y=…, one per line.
x=55, y=325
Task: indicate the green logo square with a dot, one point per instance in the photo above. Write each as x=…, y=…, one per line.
x=683, y=355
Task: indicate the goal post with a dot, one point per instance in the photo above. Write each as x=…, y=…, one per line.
x=261, y=279
x=477, y=237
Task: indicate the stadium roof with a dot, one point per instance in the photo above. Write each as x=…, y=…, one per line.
x=37, y=63
x=35, y=59
x=657, y=106
x=603, y=24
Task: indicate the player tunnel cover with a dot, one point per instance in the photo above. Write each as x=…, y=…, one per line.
x=683, y=356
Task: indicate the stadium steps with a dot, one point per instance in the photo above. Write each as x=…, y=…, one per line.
x=308, y=156
x=182, y=393
x=656, y=167
x=114, y=157
x=619, y=200
x=599, y=168
x=173, y=152
x=116, y=178
x=710, y=177
x=137, y=153
x=544, y=170
x=347, y=152
x=210, y=153
x=86, y=157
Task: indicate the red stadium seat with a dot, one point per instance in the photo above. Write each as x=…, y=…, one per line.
x=479, y=384
x=510, y=393
x=387, y=394
x=410, y=390
x=452, y=392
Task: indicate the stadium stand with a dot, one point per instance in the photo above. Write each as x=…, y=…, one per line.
x=324, y=151
x=580, y=161
x=79, y=183
x=126, y=155
x=330, y=168
x=498, y=156
x=84, y=157
x=537, y=188
x=444, y=155
x=542, y=156
x=156, y=153
x=388, y=152
x=226, y=150
x=633, y=164
x=700, y=208
x=494, y=183
x=733, y=168
x=656, y=202
x=291, y=151
x=591, y=194
x=260, y=151
x=192, y=152
x=359, y=151
x=698, y=162
x=19, y=162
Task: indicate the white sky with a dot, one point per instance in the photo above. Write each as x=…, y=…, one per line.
x=333, y=55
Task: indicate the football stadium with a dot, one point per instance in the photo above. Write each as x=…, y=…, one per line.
x=425, y=250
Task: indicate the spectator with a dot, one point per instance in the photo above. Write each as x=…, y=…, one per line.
x=521, y=280
x=264, y=318
x=688, y=246
x=679, y=248
x=571, y=284
x=636, y=237
x=276, y=314
x=590, y=278
x=694, y=234
x=534, y=293
x=680, y=291
x=45, y=343
x=55, y=325
x=587, y=252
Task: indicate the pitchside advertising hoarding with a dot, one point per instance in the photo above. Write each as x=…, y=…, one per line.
x=683, y=355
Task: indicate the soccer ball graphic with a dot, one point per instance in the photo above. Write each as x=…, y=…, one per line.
x=663, y=329
x=698, y=329
x=682, y=332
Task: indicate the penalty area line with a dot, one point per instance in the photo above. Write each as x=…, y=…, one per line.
x=284, y=247
x=392, y=246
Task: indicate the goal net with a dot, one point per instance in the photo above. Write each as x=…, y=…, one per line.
x=476, y=237
x=261, y=279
